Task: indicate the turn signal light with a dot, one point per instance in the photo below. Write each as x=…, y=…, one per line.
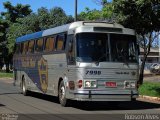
x=71, y=85
x=80, y=83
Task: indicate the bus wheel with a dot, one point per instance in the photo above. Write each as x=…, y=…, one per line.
x=61, y=94
x=24, y=88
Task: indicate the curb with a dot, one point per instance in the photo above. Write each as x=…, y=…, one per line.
x=149, y=98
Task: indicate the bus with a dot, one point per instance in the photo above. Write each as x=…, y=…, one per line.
x=80, y=61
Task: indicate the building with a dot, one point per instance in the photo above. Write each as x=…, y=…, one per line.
x=153, y=57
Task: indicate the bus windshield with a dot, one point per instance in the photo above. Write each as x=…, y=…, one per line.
x=91, y=47
x=95, y=47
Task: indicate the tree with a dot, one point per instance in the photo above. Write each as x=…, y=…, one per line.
x=58, y=17
x=35, y=22
x=90, y=14
x=105, y=14
x=14, y=12
x=7, y=19
x=144, y=17
x=3, y=26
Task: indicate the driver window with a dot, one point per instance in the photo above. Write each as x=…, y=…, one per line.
x=71, y=50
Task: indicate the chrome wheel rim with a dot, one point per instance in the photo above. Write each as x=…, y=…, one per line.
x=23, y=88
x=62, y=93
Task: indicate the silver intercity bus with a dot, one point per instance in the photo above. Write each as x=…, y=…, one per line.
x=83, y=61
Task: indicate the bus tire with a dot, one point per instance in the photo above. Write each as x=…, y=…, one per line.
x=61, y=95
x=133, y=99
x=24, y=87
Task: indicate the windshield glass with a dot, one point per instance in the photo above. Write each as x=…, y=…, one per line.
x=123, y=48
x=95, y=47
x=92, y=47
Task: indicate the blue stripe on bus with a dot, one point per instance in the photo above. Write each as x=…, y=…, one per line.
x=29, y=37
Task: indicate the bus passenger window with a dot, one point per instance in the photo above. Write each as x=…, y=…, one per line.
x=25, y=48
x=21, y=48
x=49, y=46
x=39, y=45
x=60, y=42
x=17, y=49
x=31, y=47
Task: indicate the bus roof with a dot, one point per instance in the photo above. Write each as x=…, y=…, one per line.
x=43, y=33
x=29, y=37
x=65, y=28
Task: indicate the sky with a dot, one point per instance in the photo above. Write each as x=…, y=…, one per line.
x=66, y=5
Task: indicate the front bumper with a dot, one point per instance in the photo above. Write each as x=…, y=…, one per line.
x=101, y=95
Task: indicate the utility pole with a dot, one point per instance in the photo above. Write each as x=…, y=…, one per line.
x=75, y=17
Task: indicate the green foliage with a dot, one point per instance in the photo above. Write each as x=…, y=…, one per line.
x=7, y=19
x=107, y=11
x=90, y=14
x=14, y=12
x=105, y=14
x=150, y=89
x=3, y=26
x=141, y=15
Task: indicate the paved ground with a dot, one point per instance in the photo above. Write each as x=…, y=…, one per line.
x=152, y=78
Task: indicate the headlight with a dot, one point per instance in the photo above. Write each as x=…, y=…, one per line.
x=129, y=84
x=126, y=84
x=90, y=83
x=156, y=67
x=132, y=84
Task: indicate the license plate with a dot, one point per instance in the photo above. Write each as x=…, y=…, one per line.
x=111, y=84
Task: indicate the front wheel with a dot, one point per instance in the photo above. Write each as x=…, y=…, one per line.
x=62, y=96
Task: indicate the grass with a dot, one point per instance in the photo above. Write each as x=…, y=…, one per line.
x=150, y=89
x=6, y=75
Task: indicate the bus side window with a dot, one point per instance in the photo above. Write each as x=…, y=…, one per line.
x=17, y=49
x=25, y=48
x=21, y=48
x=49, y=44
x=39, y=45
x=60, y=45
x=31, y=46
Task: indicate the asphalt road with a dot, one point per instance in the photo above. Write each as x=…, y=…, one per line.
x=152, y=78
x=42, y=107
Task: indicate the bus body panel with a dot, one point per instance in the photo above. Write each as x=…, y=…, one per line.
x=55, y=69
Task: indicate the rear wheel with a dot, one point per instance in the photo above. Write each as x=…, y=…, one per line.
x=24, y=87
x=62, y=96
